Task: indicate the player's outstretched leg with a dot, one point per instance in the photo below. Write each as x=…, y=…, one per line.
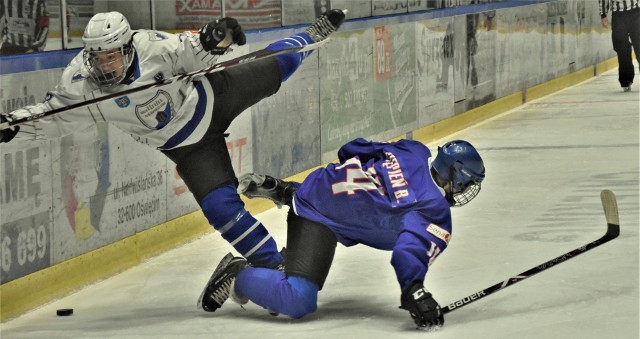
x=220, y=284
x=326, y=24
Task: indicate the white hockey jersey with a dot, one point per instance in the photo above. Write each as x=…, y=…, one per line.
x=163, y=117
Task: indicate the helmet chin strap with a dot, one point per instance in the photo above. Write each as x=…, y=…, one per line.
x=444, y=185
x=449, y=189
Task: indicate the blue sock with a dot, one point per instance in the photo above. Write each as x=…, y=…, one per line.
x=225, y=211
x=291, y=61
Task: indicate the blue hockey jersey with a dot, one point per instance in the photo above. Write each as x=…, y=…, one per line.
x=381, y=195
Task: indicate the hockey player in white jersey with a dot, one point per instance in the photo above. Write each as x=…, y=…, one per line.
x=185, y=120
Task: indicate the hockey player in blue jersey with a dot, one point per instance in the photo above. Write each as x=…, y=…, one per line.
x=185, y=120
x=391, y=196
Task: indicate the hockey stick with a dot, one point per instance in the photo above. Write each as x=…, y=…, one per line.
x=257, y=55
x=613, y=230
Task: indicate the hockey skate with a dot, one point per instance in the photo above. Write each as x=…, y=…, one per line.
x=220, y=284
x=326, y=24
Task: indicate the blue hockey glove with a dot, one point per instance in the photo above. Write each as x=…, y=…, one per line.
x=424, y=310
x=217, y=36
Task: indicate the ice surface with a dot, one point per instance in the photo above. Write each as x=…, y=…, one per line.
x=546, y=165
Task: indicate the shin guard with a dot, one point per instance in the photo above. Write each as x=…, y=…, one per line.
x=225, y=211
x=291, y=61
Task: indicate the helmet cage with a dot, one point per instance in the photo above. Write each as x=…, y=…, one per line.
x=464, y=186
x=108, y=68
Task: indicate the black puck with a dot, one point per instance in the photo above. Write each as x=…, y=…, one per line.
x=63, y=312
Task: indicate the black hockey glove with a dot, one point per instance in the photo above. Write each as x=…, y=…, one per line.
x=7, y=134
x=217, y=36
x=264, y=186
x=424, y=310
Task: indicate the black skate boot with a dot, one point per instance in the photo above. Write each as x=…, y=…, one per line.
x=220, y=284
x=326, y=24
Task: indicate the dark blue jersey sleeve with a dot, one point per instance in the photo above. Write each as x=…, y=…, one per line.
x=419, y=244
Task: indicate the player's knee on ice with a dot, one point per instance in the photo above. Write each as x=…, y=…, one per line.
x=293, y=296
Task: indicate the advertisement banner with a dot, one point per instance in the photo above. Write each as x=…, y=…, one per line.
x=384, y=7
x=435, y=69
x=382, y=53
x=395, y=83
x=25, y=208
x=346, y=90
x=25, y=183
x=295, y=12
x=254, y=14
x=193, y=14
x=106, y=187
x=357, y=8
x=26, y=245
x=287, y=124
x=560, y=49
x=480, y=78
x=507, y=73
x=528, y=43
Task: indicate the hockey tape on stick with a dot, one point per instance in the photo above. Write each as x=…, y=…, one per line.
x=610, y=207
x=257, y=55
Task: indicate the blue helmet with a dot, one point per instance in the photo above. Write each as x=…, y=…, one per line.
x=459, y=170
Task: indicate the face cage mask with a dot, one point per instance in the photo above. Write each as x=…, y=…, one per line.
x=462, y=198
x=122, y=55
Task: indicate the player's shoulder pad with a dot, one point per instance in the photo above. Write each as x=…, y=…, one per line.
x=149, y=41
x=74, y=77
x=413, y=146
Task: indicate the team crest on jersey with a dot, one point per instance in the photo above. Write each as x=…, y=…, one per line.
x=156, y=36
x=157, y=112
x=123, y=102
x=439, y=232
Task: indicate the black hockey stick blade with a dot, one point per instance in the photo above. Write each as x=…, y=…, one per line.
x=610, y=207
x=259, y=54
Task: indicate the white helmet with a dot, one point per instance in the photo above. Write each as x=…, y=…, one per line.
x=108, y=51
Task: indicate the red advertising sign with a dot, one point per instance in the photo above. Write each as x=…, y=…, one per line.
x=382, y=52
